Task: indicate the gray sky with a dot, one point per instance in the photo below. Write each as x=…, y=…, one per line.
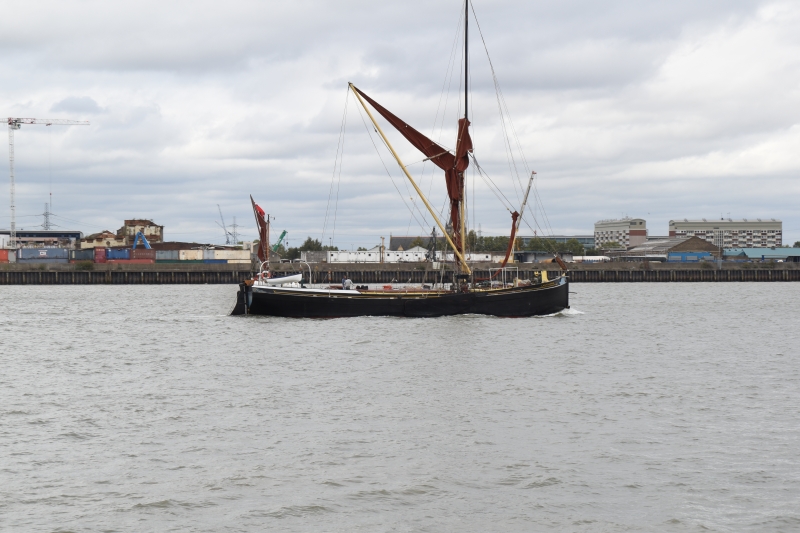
x=658, y=110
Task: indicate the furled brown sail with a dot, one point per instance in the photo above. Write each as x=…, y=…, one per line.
x=263, y=238
x=453, y=165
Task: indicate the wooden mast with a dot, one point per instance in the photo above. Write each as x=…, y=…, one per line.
x=460, y=257
x=462, y=214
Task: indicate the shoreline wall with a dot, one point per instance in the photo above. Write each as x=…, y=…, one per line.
x=156, y=276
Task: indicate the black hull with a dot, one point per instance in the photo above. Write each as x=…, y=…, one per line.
x=545, y=299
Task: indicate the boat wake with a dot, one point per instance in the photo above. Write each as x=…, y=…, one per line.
x=564, y=313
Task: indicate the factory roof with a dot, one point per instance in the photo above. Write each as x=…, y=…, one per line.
x=63, y=233
x=737, y=220
x=762, y=253
x=677, y=244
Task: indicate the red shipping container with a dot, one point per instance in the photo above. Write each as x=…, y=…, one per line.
x=143, y=253
x=99, y=255
x=3, y=256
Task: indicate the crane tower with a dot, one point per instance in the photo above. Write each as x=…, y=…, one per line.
x=15, y=124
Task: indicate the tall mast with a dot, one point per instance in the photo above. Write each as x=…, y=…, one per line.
x=466, y=56
x=462, y=207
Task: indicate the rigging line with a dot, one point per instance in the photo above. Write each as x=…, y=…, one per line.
x=493, y=189
x=549, y=242
x=505, y=201
x=543, y=230
x=535, y=223
x=408, y=228
x=460, y=80
x=335, y=161
x=501, y=99
x=498, y=95
x=405, y=182
x=448, y=81
x=444, y=94
x=525, y=162
x=541, y=208
x=339, y=180
x=538, y=202
x=361, y=114
x=472, y=218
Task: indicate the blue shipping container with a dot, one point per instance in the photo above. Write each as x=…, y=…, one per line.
x=216, y=261
x=43, y=253
x=118, y=253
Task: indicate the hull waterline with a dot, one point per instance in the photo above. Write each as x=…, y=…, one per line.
x=538, y=300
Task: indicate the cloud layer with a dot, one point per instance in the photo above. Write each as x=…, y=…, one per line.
x=652, y=109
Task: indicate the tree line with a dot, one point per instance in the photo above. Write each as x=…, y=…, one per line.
x=474, y=244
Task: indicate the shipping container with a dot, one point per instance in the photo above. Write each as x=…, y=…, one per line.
x=143, y=253
x=99, y=255
x=215, y=261
x=239, y=261
x=208, y=254
x=132, y=261
x=118, y=253
x=42, y=253
x=81, y=255
x=191, y=255
x=164, y=255
x=4, y=256
x=232, y=254
x=43, y=260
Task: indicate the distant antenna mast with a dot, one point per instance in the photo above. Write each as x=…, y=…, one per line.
x=47, y=225
x=234, y=234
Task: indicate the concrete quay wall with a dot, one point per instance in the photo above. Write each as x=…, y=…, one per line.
x=65, y=274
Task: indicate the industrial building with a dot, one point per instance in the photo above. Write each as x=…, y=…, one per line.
x=788, y=255
x=586, y=240
x=55, y=238
x=626, y=232
x=730, y=233
x=124, y=235
x=676, y=249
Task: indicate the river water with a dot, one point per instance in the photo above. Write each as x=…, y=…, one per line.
x=648, y=407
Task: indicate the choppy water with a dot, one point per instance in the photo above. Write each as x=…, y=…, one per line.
x=662, y=407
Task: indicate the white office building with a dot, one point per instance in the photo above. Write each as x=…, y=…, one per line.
x=731, y=233
x=626, y=232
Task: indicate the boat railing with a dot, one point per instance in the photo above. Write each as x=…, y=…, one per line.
x=507, y=274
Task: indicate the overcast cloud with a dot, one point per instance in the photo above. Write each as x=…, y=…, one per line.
x=660, y=110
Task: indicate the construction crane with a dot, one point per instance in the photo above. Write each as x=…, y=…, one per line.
x=280, y=240
x=140, y=235
x=223, y=226
x=15, y=124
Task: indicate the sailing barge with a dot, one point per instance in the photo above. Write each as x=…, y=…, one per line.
x=289, y=297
